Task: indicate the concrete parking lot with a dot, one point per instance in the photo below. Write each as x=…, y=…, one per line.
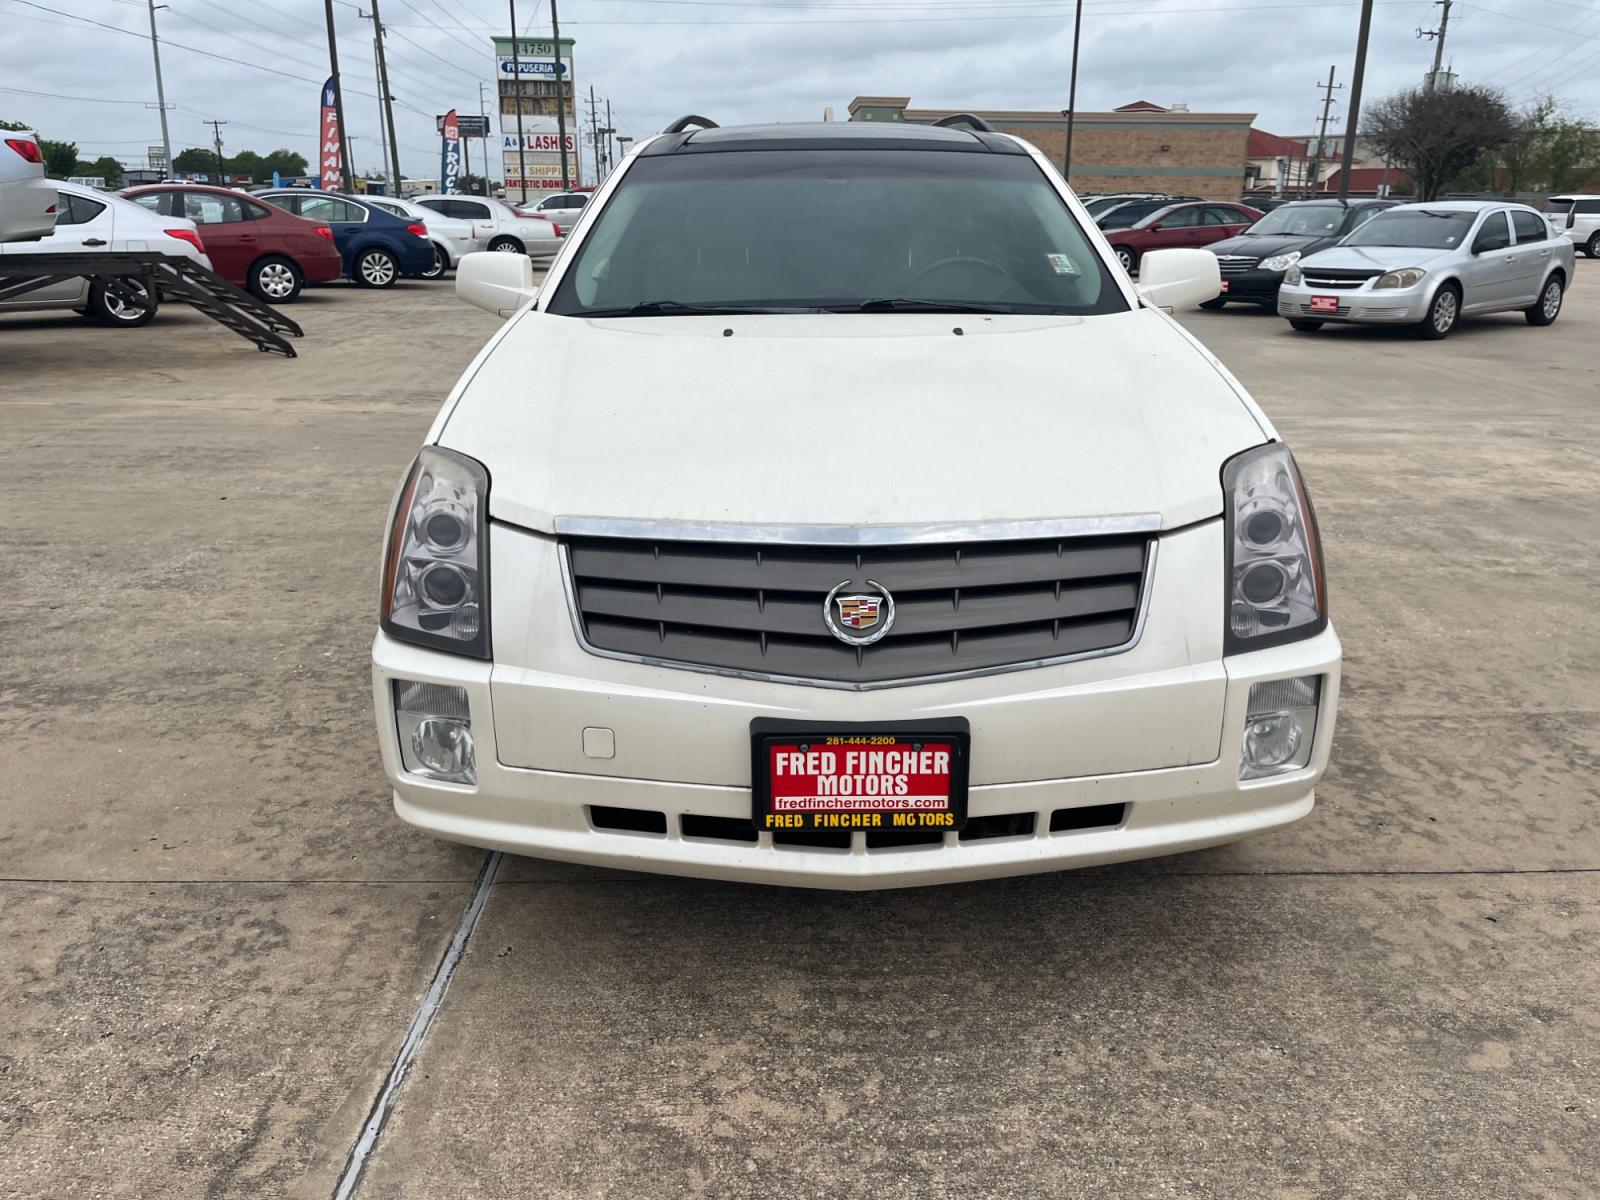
x=216, y=932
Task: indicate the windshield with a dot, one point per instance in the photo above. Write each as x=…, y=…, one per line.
x=1311, y=220
x=835, y=230
x=1432, y=229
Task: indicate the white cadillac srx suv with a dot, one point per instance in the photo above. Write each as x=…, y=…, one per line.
x=838, y=514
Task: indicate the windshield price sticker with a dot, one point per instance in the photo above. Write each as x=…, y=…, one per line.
x=867, y=782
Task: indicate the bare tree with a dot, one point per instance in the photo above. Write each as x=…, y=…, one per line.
x=1435, y=136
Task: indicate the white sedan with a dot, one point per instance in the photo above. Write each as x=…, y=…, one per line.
x=452, y=237
x=27, y=198
x=877, y=560
x=501, y=226
x=95, y=221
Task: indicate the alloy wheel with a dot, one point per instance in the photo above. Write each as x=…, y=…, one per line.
x=1551, y=305
x=1444, y=311
x=117, y=310
x=377, y=269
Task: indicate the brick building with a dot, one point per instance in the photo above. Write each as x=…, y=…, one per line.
x=1140, y=147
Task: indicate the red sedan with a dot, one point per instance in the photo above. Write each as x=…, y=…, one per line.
x=272, y=253
x=1197, y=223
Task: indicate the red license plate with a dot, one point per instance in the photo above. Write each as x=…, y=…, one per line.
x=842, y=780
x=1224, y=285
x=1325, y=304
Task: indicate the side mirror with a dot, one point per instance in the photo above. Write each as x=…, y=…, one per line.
x=496, y=282
x=1179, y=278
x=1154, y=228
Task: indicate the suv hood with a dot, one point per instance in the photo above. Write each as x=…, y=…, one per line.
x=850, y=419
x=1379, y=258
x=1265, y=247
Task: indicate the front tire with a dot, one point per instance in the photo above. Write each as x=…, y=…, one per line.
x=1547, y=307
x=107, y=309
x=1592, y=246
x=275, y=280
x=506, y=245
x=1444, y=311
x=1126, y=257
x=1300, y=326
x=441, y=264
x=376, y=268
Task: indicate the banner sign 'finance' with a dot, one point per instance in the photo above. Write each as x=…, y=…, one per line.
x=330, y=156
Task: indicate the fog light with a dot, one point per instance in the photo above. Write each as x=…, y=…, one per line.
x=434, y=722
x=1280, y=723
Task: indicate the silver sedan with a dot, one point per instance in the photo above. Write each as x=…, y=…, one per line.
x=1429, y=265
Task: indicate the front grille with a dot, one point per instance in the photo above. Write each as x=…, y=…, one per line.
x=1236, y=264
x=1332, y=277
x=758, y=609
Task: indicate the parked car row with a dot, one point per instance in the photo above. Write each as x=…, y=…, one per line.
x=1423, y=265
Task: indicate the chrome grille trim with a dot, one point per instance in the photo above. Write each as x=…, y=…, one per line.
x=856, y=535
x=574, y=611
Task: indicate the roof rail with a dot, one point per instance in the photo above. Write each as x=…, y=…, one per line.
x=683, y=123
x=969, y=120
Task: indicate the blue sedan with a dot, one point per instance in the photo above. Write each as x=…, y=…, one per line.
x=377, y=247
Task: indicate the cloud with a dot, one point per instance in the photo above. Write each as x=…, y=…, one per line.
x=763, y=60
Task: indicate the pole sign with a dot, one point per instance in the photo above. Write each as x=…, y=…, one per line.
x=331, y=156
x=471, y=126
x=533, y=68
x=450, y=154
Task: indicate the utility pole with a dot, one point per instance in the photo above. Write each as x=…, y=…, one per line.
x=609, y=130
x=1353, y=118
x=594, y=139
x=161, y=92
x=483, y=111
x=1072, y=94
x=561, y=101
x=516, y=71
x=1322, y=136
x=385, y=100
x=1438, y=42
x=216, y=135
x=338, y=102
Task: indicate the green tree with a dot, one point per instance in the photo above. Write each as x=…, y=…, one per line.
x=248, y=162
x=195, y=160
x=60, y=158
x=1435, y=136
x=14, y=125
x=285, y=162
x=105, y=167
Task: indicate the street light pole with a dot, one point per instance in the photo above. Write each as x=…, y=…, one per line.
x=561, y=98
x=1353, y=118
x=1072, y=94
x=161, y=92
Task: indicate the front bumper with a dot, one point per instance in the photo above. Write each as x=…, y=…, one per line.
x=695, y=727
x=1360, y=306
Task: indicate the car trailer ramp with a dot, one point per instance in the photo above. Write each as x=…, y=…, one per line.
x=167, y=278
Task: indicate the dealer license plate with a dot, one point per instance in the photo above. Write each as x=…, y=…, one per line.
x=1325, y=304
x=830, y=778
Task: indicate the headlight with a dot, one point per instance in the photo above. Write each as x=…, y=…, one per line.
x=1281, y=262
x=1292, y=275
x=436, y=565
x=1276, y=589
x=1407, y=277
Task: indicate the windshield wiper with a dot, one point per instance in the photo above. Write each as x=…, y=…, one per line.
x=676, y=308
x=901, y=304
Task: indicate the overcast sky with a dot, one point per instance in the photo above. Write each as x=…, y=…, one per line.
x=746, y=60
